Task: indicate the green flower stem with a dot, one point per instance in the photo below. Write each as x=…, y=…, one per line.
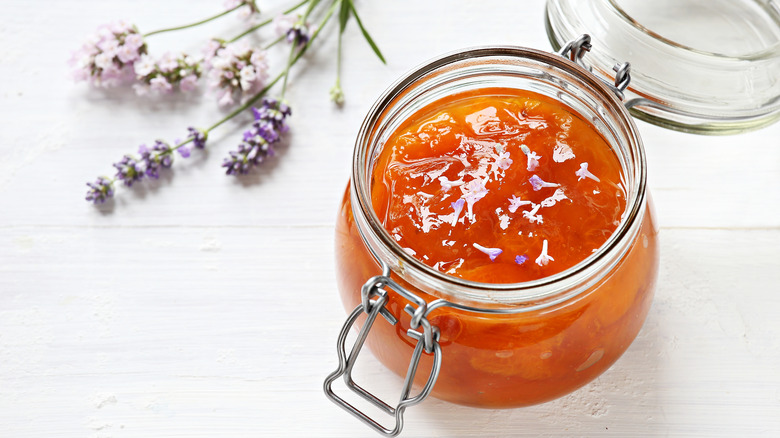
x=290, y=61
x=278, y=77
x=338, y=62
x=171, y=29
x=181, y=144
x=316, y=32
x=275, y=42
x=312, y=5
x=264, y=23
x=248, y=103
x=293, y=57
x=250, y=30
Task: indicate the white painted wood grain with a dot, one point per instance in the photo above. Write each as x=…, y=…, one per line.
x=205, y=306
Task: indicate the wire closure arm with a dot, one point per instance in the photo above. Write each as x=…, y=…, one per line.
x=576, y=49
x=374, y=298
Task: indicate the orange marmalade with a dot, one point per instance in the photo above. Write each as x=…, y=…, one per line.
x=498, y=188
x=501, y=185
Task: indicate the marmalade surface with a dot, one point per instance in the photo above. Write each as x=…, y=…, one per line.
x=498, y=187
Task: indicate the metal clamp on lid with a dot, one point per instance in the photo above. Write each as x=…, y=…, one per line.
x=576, y=49
x=374, y=298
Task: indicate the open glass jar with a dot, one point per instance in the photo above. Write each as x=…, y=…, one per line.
x=493, y=345
x=701, y=66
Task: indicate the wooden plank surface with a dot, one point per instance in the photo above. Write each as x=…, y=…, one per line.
x=205, y=306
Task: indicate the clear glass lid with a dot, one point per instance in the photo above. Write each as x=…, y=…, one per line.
x=704, y=66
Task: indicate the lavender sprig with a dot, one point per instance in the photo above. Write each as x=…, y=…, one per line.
x=170, y=71
x=270, y=116
x=130, y=170
x=108, y=56
x=258, y=141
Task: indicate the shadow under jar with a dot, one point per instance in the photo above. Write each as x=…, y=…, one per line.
x=492, y=345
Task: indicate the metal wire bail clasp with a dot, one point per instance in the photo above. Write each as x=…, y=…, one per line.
x=374, y=298
x=576, y=49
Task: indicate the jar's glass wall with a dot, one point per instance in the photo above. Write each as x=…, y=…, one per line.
x=500, y=361
x=563, y=330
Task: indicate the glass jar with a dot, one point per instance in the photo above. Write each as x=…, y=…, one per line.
x=493, y=345
x=702, y=66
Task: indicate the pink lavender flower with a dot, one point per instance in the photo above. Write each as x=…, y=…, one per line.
x=237, y=71
x=539, y=184
x=544, y=258
x=585, y=173
x=293, y=27
x=210, y=51
x=159, y=156
x=169, y=71
x=189, y=83
x=533, y=159
x=257, y=143
x=128, y=170
x=473, y=191
x=446, y=184
x=532, y=216
x=491, y=252
x=100, y=190
x=562, y=152
x=107, y=58
x=515, y=203
x=248, y=7
x=158, y=85
x=558, y=196
x=503, y=161
x=457, y=207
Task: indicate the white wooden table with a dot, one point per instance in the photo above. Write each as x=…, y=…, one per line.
x=205, y=305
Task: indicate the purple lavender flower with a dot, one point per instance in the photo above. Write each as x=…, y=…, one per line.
x=299, y=34
x=257, y=142
x=100, y=190
x=292, y=26
x=520, y=259
x=157, y=157
x=585, y=173
x=491, y=252
x=128, y=170
x=539, y=184
x=198, y=137
x=457, y=207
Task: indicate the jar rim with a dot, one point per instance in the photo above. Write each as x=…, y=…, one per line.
x=767, y=52
x=554, y=288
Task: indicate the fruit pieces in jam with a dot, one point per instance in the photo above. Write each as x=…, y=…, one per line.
x=498, y=187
